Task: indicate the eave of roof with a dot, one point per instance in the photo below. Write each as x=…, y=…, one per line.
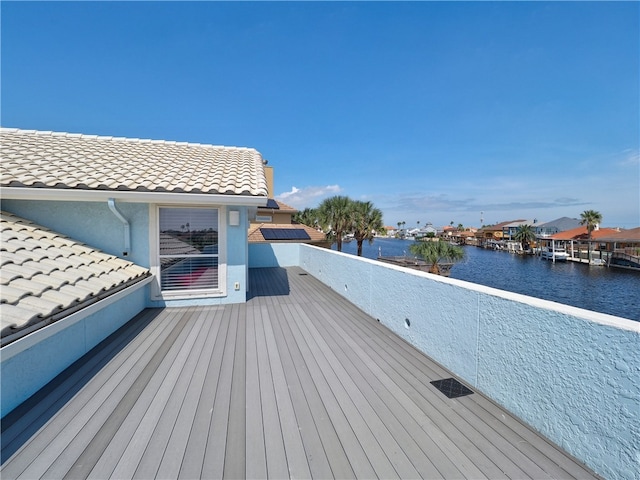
x=72, y=195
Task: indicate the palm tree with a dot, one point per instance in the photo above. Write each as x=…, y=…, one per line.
x=366, y=221
x=525, y=235
x=308, y=216
x=435, y=252
x=335, y=217
x=591, y=219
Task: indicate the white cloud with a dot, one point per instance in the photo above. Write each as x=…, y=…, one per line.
x=629, y=157
x=310, y=197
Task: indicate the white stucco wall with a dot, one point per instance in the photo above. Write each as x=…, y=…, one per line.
x=572, y=374
x=263, y=255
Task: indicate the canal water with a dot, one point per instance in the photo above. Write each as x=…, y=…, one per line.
x=609, y=290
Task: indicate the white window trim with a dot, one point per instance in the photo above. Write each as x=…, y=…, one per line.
x=154, y=254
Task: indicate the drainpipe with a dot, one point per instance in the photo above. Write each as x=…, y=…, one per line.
x=127, y=236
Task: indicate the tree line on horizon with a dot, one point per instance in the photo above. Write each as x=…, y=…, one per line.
x=339, y=215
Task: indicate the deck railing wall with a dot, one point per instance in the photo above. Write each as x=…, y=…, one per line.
x=570, y=373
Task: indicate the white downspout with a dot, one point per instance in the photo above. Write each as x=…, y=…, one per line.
x=127, y=235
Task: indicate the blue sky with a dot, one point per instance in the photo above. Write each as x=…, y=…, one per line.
x=434, y=111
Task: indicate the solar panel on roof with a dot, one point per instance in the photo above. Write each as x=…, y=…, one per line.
x=285, y=234
x=271, y=203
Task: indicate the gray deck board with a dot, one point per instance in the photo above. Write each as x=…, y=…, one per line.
x=294, y=448
x=326, y=458
x=388, y=401
x=166, y=424
x=214, y=454
x=130, y=443
x=256, y=460
x=297, y=382
x=275, y=454
x=348, y=439
x=169, y=460
x=385, y=453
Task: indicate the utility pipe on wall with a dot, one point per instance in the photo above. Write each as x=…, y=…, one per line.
x=127, y=236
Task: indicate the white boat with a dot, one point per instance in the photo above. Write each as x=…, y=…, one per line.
x=557, y=255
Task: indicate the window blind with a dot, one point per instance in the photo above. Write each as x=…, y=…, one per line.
x=188, y=248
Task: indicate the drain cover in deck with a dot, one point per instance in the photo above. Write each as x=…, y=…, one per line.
x=451, y=387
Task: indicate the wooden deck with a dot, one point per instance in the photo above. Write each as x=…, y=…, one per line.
x=297, y=382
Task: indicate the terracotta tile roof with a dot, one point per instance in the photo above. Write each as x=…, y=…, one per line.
x=87, y=162
x=282, y=207
x=255, y=235
x=580, y=233
x=631, y=235
x=46, y=276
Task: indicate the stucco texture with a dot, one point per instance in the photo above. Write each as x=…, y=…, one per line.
x=91, y=223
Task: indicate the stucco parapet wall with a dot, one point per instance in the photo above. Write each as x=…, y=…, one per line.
x=602, y=318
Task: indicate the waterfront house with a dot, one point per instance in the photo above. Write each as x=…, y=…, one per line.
x=510, y=229
x=493, y=234
x=390, y=231
x=176, y=214
x=578, y=245
x=321, y=371
x=274, y=211
x=461, y=237
x=427, y=230
x=272, y=223
x=623, y=248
